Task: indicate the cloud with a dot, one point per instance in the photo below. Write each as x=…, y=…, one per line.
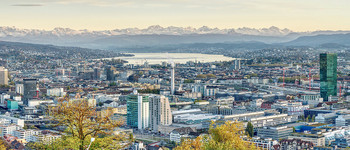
x=27, y=5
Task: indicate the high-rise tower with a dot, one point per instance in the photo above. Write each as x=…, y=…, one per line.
x=172, y=78
x=30, y=89
x=4, y=80
x=137, y=110
x=160, y=113
x=328, y=75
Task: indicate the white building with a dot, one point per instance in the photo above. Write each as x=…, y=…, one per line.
x=256, y=103
x=342, y=120
x=160, y=113
x=326, y=118
x=28, y=135
x=223, y=101
x=312, y=100
x=175, y=136
x=143, y=113
x=45, y=138
x=4, y=97
x=270, y=120
x=19, y=89
x=8, y=129
x=56, y=92
x=12, y=120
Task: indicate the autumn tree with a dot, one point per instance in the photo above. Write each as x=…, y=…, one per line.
x=83, y=122
x=223, y=137
x=3, y=145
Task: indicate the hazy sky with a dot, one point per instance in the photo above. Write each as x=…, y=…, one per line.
x=298, y=15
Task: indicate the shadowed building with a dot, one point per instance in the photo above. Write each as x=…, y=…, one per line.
x=30, y=89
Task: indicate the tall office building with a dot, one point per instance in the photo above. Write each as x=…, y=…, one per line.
x=237, y=64
x=97, y=74
x=4, y=79
x=110, y=73
x=137, y=111
x=328, y=75
x=160, y=113
x=30, y=89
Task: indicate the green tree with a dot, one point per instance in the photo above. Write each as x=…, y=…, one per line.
x=189, y=81
x=308, y=118
x=313, y=118
x=250, y=129
x=112, y=84
x=294, y=130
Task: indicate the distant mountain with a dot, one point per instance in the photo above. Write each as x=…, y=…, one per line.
x=323, y=40
x=14, y=49
x=164, y=36
x=153, y=35
x=219, y=48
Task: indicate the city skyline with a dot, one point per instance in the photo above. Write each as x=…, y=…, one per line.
x=106, y=15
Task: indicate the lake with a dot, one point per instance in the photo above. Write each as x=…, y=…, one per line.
x=158, y=58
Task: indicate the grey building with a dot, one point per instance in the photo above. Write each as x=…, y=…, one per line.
x=276, y=133
x=342, y=142
x=30, y=89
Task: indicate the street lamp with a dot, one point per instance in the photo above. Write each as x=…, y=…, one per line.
x=92, y=139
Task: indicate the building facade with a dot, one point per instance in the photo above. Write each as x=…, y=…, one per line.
x=137, y=111
x=30, y=87
x=160, y=113
x=274, y=133
x=4, y=80
x=328, y=75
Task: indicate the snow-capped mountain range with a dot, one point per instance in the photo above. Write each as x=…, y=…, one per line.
x=155, y=29
x=151, y=36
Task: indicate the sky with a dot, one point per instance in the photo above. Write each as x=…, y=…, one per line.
x=297, y=15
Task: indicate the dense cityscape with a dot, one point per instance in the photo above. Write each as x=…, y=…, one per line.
x=283, y=98
x=174, y=75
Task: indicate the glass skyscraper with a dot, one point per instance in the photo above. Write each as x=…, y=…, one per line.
x=137, y=111
x=328, y=75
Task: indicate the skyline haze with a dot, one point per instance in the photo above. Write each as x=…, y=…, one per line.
x=296, y=15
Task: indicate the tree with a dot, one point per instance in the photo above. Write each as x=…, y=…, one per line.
x=294, y=130
x=131, y=137
x=211, y=75
x=250, y=129
x=302, y=118
x=3, y=145
x=313, y=118
x=308, y=118
x=188, y=81
x=223, y=137
x=112, y=84
x=82, y=121
x=201, y=76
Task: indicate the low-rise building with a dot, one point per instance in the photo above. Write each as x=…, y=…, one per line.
x=274, y=133
x=316, y=139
